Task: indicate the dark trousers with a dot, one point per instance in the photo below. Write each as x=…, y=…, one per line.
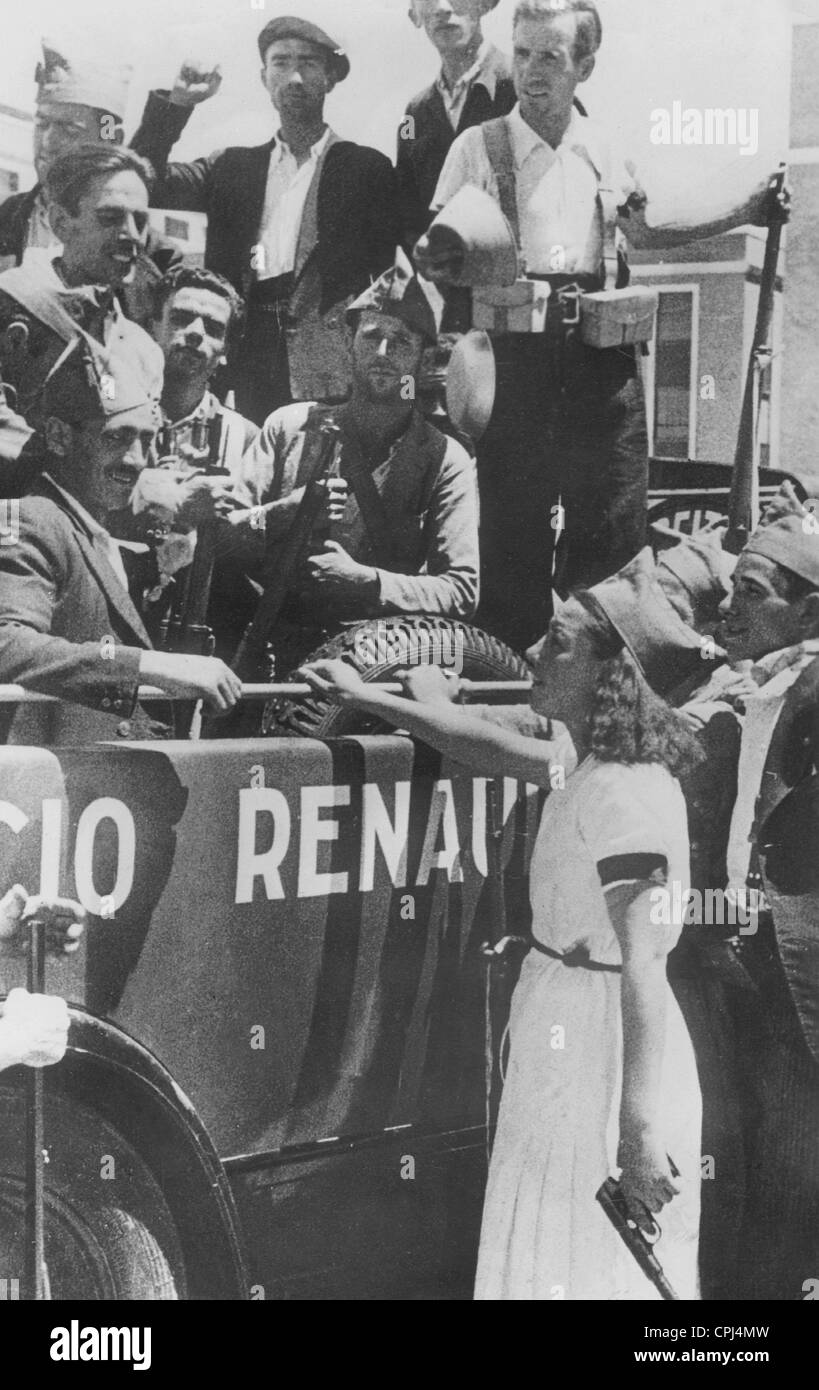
x=259, y=369
x=568, y=428
x=779, y=1088
x=759, y=1233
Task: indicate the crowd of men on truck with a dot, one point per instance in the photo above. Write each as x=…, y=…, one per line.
x=146, y=511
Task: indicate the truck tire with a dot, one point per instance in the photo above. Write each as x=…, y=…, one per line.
x=106, y=1238
x=377, y=649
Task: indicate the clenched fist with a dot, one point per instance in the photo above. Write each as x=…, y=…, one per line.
x=195, y=83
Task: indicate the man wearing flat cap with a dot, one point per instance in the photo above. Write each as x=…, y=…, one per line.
x=398, y=532
x=69, y=626
x=81, y=98
x=299, y=225
x=758, y=1039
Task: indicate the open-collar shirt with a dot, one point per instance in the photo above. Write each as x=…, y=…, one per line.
x=483, y=70
x=560, y=223
x=288, y=184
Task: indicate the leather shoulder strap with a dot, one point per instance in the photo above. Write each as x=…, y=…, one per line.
x=607, y=209
x=40, y=301
x=499, y=152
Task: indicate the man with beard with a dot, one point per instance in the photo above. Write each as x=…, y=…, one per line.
x=298, y=225
x=69, y=626
x=398, y=532
x=81, y=98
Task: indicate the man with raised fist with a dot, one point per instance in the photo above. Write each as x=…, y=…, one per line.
x=299, y=225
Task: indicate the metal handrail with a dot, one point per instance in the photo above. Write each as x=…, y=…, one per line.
x=16, y=694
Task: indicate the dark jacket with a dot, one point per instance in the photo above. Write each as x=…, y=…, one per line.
x=424, y=143
x=358, y=223
x=59, y=598
x=787, y=836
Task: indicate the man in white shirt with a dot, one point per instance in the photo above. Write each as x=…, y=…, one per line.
x=752, y=1002
x=569, y=419
x=299, y=225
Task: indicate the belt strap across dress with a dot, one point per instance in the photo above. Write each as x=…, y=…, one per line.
x=577, y=957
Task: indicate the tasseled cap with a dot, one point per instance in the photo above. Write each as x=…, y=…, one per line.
x=73, y=75
x=664, y=647
x=399, y=293
x=88, y=383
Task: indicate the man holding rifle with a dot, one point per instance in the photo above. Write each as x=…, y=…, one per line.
x=398, y=531
x=569, y=419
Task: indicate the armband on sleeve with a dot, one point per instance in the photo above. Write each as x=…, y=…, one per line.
x=633, y=868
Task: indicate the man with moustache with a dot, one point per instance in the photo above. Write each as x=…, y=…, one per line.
x=69, y=627
x=81, y=99
x=299, y=225
x=569, y=418
x=98, y=198
x=398, y=532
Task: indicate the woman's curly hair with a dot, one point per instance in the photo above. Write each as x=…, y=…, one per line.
x=631, y=724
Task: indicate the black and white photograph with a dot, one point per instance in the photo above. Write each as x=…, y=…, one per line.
x=409, y=661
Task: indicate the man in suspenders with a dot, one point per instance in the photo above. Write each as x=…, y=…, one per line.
x=566, y=451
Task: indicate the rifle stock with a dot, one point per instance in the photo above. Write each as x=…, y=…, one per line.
x=251, y=654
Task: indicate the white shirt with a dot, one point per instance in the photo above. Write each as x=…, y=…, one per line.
x=284, y=200
x=455, y=97
x=779, y=671
x=560, y=226
x=103, y=538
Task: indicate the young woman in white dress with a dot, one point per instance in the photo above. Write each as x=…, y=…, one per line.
x=601, y=1074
